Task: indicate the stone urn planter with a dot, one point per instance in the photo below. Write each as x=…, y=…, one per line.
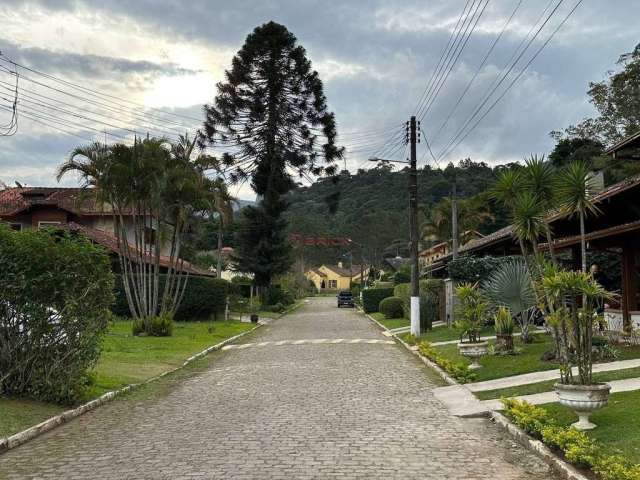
x=583, y=400
x=473, y=350
x=504, y=342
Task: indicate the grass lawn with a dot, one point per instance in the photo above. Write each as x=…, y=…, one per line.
x=445, y=334
x=391, y=323
x=618, y=429
x=548, y=386
x=126, y=359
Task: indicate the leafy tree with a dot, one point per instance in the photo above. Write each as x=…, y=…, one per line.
x=569, y=150
x=617, y=100
x=271, y=115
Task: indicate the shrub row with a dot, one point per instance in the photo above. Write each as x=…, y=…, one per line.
x=371, y=298
x=474, y=269
x=429, y=300
x=459, y=371
x=204, y=297
x=576, y=446
x=55, y=293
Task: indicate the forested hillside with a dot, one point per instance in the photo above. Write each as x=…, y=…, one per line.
x=371, y=207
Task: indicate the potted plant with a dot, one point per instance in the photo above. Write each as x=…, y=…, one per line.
x=471, y=314
x=573, y=296
x=504, y=327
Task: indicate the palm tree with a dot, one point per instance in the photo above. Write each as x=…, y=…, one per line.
x=472, y=213
x=509, y=186
x=541, y=179
x=576, y=191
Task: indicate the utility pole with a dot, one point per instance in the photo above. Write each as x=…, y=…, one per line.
x=413, y=229
x=454, y=220
x=412, y=138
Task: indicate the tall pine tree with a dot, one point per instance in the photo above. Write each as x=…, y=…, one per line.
x=271, y=115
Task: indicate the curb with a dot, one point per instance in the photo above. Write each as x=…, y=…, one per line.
x=565, y=469
x=30, y=433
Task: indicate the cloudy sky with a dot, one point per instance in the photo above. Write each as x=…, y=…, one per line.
x=150, y=65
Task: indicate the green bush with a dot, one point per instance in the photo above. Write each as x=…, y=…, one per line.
x=204, y=297
x=371, y=298
x=429, y=300
x=577, y=447
x=391, y=307
x=428, y=310
x=274, y=295
x=459, y=371
x=471, y=269
x=55, y=293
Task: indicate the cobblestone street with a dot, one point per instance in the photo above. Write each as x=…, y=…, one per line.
x=293, y=410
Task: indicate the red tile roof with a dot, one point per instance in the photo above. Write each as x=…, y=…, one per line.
x=110, y=242
x=81, y=201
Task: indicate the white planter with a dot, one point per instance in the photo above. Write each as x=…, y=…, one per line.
x=583, y=399
x=473, y=351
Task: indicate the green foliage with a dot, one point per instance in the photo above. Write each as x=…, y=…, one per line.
x=428, y=310
x=55, y=292
x=391, y=307
x=158, y=326
x=474, y=269
x=504, y=322
x=401, y=276
x=569, y=150
x=471, y=311
x=274, y=295
x=429, y=300
x=576, y=446
x=459, y=371
x=371, y=298
x=204, y=297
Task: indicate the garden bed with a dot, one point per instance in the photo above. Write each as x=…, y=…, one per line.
x=446, y=334
x=618, y=429
x=126, y=359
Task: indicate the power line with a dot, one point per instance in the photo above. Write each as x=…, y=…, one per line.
x=95, y=93
x=442, y=56
x=506, y=70
x=463, y=44
x=477, y=72
x=518, y=76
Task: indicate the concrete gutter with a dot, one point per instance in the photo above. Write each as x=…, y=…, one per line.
x=24, y=436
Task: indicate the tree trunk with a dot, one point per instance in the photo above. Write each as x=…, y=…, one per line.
x=219, y=266
x=583, y=243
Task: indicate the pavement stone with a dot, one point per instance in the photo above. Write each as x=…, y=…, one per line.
x=312, y=410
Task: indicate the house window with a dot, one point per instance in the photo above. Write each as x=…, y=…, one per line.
x=333, y=284
x=15, y=226
x=48, y=224
x=149, y=235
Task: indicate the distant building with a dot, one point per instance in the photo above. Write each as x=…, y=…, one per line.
x=76, y=210
x=336, y=277
x=434, y=253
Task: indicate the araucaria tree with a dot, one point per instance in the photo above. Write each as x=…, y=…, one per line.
x=271, y=116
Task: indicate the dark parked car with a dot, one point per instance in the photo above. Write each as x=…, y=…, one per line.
x=345, y=299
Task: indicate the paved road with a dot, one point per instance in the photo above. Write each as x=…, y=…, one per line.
x=330, y=410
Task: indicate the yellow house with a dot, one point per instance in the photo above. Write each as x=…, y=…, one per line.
x=335, y=277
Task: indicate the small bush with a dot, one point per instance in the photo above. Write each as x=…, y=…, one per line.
x=159, y=326
x=137, y=327
x=504, y=322
x=371, y=298
x=274, y=295
x=459, y=371
x=391, y=307
x=55, y=293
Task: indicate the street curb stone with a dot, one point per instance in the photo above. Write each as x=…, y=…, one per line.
x=567, y=470
x=30, y=433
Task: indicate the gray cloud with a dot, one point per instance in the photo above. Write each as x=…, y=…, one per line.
x=392, y=47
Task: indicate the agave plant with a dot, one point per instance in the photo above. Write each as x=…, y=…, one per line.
x=511, y=287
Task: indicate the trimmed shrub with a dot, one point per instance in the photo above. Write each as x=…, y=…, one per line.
x=274, y=295
x=428, y=310
x=391, y=307
x=371, y=298
x=55, y=293
x=204, y=297
x=429, y=300
x=469, y=269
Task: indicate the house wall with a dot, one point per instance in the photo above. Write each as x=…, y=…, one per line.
x=48, y=214
x=341, y=283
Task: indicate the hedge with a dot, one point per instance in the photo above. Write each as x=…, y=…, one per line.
x=391, y=307
x=429, y=300
x=474, y=269
x=55, y=293
x=371, y=298
x=204, y=297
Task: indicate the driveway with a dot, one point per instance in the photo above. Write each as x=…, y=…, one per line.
x=310, y=396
